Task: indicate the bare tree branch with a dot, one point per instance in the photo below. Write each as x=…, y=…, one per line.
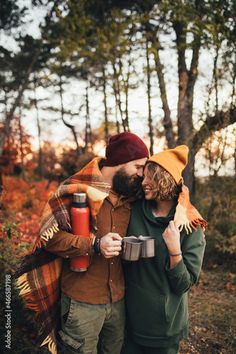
x=193, y=72
x=68, y=125
x=213, y=123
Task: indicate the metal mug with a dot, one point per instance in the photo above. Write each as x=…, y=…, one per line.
x=131, y=249
x=148, y=246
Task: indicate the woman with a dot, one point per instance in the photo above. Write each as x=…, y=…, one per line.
x=157, y=288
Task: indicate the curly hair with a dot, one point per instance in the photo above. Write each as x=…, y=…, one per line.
x=165, y=186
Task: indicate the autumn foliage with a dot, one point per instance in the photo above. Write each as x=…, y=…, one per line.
x=22, y=205
x=17, y=152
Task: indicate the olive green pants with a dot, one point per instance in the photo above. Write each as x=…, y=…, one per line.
x=130, y=347
x=91, y=329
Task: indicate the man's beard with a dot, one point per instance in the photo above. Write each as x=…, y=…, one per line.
x=128, y=186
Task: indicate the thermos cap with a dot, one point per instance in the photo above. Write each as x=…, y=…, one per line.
x=79, y=197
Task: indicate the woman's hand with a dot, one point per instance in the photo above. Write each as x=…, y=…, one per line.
x=171, y=236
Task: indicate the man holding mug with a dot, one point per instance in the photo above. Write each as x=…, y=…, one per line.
x=92, y=302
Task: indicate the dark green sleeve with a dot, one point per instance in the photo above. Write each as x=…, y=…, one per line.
x=187, y=271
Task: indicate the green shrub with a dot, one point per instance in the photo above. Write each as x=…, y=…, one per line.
x=22, y=328
x=216, y=200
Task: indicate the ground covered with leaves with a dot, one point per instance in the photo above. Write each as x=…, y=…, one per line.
x=212, y=308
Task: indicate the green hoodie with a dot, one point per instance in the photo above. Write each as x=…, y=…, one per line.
x=156, y=296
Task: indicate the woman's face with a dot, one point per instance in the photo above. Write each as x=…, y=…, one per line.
x=148, y=185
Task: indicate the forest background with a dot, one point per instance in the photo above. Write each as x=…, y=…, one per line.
x=74, y=72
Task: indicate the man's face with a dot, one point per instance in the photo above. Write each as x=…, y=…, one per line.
x=127, y=181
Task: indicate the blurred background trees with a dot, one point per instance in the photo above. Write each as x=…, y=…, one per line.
x=177, y=57
x=110, y=50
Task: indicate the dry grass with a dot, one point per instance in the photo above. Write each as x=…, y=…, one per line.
x=212, y=306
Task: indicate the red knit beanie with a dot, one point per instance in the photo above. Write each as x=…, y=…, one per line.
x=125, y=147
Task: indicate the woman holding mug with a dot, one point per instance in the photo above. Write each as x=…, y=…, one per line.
x=157, y=288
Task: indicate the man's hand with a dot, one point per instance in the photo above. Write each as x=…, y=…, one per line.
x=110, y=245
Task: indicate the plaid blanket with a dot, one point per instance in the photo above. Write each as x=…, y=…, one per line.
x=38, y=276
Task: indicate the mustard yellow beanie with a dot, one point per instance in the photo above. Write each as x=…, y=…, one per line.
x=173, y=161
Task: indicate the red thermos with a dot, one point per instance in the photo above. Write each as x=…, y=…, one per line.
x=80, y=226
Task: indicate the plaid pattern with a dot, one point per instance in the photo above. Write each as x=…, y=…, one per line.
x=38, y=276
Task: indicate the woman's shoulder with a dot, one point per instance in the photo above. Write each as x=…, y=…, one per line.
x=196, y=235
x=198, y=232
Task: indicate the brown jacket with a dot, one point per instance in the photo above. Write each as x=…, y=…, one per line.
x=103, y=282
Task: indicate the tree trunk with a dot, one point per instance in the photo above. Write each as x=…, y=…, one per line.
x=40, y=153
x=187, y=80
x=104, y=85
x=126, y=88
x=88, y=134
x=125, y=123
x=1, y=167
x=167, y=122
x=215, y=76
x=116, y=89
x=149, y=99
x=1, y=187
x=188, y=175
x=235, y=153
x=70, y=126
x=185, y=100
x=5, y=101
x=21, y=144
x=127, y=103
x=117, y=121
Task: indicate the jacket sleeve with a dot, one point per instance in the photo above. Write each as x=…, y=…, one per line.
x=67, y=245
x=187, y=271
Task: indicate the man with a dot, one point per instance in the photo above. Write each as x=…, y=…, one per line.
x=92, y=306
